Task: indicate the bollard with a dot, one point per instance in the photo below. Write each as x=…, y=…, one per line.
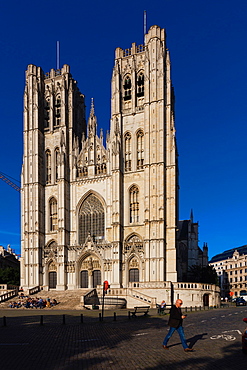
x=190, y=308
x=4, y=321
x=129, y=315
x=195, y=308
x=200, y=308
x=100, y=317
x=115, y=316
x=81, y=317
x=63, y=319
x=41, y=320
x=186, y=309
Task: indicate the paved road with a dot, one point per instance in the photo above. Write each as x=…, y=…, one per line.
x=121, y=344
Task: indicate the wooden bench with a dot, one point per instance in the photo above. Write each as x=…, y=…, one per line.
x=140, y=309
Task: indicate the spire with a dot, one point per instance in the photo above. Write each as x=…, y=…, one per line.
x=92, y=108
x=92, y=121
x=191, y=216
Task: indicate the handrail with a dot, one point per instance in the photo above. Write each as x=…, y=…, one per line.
x=8, y=295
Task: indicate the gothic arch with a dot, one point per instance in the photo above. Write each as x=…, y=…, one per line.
x=89, y=269
x=91, y=217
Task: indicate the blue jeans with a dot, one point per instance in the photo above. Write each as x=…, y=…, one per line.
x=180, y=331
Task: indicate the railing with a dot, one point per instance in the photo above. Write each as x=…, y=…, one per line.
x=91, y=297
x=8, y=287
x=142, y=297
x=8, y=295
x=33, y=290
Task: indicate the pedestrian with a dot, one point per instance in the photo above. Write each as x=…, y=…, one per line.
x=175, y=322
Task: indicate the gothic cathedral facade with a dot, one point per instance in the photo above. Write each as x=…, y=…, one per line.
x=92, y=211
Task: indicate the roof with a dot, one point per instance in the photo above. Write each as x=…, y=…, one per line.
x=228, y=254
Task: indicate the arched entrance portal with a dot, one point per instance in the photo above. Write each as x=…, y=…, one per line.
x=52, y=275
x=90, y=272
x=52, y=280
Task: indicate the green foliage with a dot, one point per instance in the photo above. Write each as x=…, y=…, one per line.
x=199, y=274
x=10, y=275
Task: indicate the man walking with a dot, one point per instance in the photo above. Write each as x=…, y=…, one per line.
x=175, y=322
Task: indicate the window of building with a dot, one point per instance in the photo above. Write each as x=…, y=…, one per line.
x=91, y=219
x=58, y=110
x=127, y=88
x=134, y=204
x=245, y=270
x=230, y=266
x=230, y=272
x=53, y=214
x=236, y=271
x=240, y=271
x=140, y=149
x=236, y=279
x=47, y=113
x=140, y=84
x=57, y=160
x=48, y=166
x=127, y=151
x=230, y=280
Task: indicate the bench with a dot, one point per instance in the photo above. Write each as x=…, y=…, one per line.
x=140, y=309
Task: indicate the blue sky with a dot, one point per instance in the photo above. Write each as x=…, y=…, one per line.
x=207, y=43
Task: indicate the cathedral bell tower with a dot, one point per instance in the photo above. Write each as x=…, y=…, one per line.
x=144, y=157
x=54, y=119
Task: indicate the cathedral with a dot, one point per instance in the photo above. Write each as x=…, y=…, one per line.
x=92, y=211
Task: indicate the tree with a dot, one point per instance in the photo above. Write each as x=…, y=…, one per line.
x=10, y=275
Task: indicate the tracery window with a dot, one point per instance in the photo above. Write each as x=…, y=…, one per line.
x=127, y=88
x=53, y=214
x=47, y=113
x=140, y=84
x=48, y=166
x=134, y=204
x=140, y=150
x=91, y=219
x=127, y=159
x=57, y=160
x=58, y=110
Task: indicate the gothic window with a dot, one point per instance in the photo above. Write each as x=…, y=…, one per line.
x=140, y=84
x=134, y=204
x=47, y=113
x=57, y=157
x=127, y=88
x=91, y=219
x=53, y=214
x=127, y=154
x=140, y=150
x=133, y=275
x=57, y=110
x=48, y=166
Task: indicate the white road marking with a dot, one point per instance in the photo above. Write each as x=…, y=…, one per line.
x=213, y=318
x=203, y=320
x=135, y=335
x=229, y=331
x=223, y=316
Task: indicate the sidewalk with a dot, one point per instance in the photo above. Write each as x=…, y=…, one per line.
x=130, y=344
